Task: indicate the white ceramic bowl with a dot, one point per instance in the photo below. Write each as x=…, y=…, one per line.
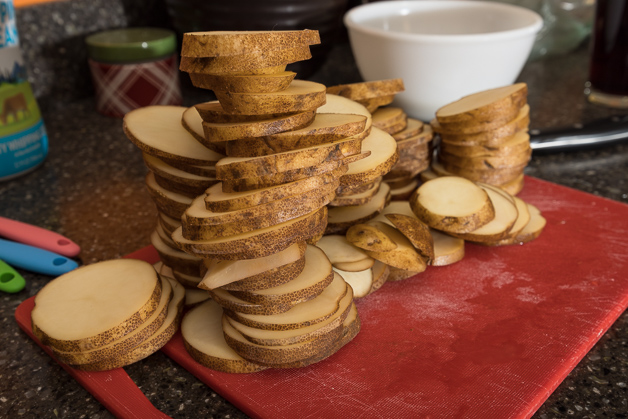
x=442, y=49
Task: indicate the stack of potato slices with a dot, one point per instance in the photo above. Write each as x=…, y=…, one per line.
x=476, y=212
x=180, y=168
x=108, y=314
x=361, y=194
x=287, y=144
x=484, y=137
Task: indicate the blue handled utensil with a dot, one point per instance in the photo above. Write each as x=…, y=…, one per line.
x=10, y=280
x=34, y=259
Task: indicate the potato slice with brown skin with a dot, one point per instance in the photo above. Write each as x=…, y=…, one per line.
x=368, y=89
x=383, y=157
x=338, y=167
x=218, y=201
x=404, y=192
x=487, y=105
x=339, y=250
x=504, y=161
x=248, y=167
x=325, y=128
x=68, y=310
x=226, y=43
x=214, y=112
x=246, y=62
x=417, y=232
x=289, y=337
x=361, y=198
x=452, y=204
x=192, y=122
x=345, y=190
x=390, y=119
x=313, y=279
x=264, y=83
x=170, y=203
x=413, y=128
x=515, y=144
x=183, y=261
x=488, y=175
x=505, y=217
x=188, y=181
x=341, y=218
x=369, y=237
x=255, y=274
x=256, y=243
x=339, y=104
x=374, y=103
x=314, y=311
x=230, y=131
x=201, y=329
x=447, y=249
x=357, y=266
x=530, y=231
x=404, y=256
x=301, y=96
x=157, y=130
x=360, y=281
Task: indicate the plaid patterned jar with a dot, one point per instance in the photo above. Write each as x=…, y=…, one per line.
x=132, y=68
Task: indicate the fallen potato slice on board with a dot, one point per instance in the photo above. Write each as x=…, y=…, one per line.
x=301, y=96
x=447, y=249
x=404, y=256
x=225, y=43
x=357, y=266
x=157, y=130
x=498, y=228
x=452, y=204
x=244, y=63
x=229, y=131
x=263, y=83
x=485, y=106
x=255, y=274
x=360, y=281
x=95, y=304
x=314, y=311
x=369, y=237
x=530, y=231
x=201, y=330
x=416, y=232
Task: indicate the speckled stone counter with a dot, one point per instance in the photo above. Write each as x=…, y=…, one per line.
x=91, y=189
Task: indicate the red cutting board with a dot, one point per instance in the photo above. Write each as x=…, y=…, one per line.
x=490, y=336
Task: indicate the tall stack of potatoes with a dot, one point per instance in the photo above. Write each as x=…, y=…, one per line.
x=483, y=137
x=280, y=147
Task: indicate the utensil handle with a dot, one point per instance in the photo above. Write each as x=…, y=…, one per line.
x=10, y=280
x=34, y=259
x=38, y=237
x=594, y=133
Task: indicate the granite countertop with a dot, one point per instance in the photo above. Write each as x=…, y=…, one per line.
x=91, y=190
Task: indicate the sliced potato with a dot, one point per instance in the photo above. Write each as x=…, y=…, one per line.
x=369, y=237
x=404, y=256
x=368, y=89
x=413, y=128
x=485, y=106
x=516, y=144
x=264, y=83
x=360, y=281
x=255, y=274
x=186, y=181
x=390, y=119
x=339, y=104
x=361, y=198
x=416, y=232
x=339, y=250
x=243, y=63
x=301, y=96
x=341, y=218
x=357, y=266
x=157, y=130
x=381, y=271
x=95, y=304
x=452, y=204
x=171, y=203
x=192, y=122
x=383, y=148
x=182, y=261
x=201, y=329
x=314, y=311
x=375, y=102
x=225, y=43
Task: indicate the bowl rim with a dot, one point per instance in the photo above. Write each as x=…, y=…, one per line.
x=393, y=6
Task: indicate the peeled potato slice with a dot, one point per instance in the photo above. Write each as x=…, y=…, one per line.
x=452, y=204
x=201, y=329
x=253, y=274
x=95, y=304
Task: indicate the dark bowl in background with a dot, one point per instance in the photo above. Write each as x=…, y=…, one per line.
x=221, y=15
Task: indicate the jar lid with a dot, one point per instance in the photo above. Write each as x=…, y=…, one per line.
x=131, y=44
